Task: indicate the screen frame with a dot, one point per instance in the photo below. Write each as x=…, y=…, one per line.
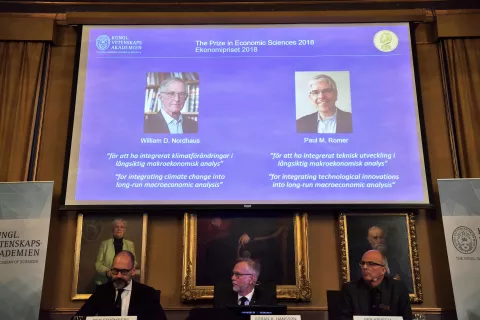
x=249, y=207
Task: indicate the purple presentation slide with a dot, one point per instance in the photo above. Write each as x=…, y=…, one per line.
x=230, y=114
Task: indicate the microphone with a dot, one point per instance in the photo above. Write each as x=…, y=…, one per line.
x=376, y=279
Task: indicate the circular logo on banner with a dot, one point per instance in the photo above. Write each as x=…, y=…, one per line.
x=103, y=42
x=464, y=240
x=385, y=40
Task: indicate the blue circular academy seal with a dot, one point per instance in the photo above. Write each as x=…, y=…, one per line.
x=464, y=240
x=103, y=42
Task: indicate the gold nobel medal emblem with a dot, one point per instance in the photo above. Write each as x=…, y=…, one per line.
x=385, y=40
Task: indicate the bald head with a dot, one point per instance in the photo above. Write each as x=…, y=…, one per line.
x=125, y=257
x=375, y=256
x=373, y=267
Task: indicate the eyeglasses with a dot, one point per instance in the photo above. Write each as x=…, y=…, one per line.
x=369, y=264
x=171, y=94
x=238, y=275
x=316, y=93
x=124, y=272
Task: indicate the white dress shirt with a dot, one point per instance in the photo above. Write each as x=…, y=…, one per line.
x=174, y=125
x=327, y=125
x=126, y=294
x=248, y=296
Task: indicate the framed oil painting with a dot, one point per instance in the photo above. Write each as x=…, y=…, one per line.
x=97, y=235
x=393, y=234
x=213, y=243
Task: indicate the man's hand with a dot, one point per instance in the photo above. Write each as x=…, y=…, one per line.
x=244, y=239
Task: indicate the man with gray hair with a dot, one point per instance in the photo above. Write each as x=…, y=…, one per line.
x=245, y=289
x=328, y=118
x=172, y=95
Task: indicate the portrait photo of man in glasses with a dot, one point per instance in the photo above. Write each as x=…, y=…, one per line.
x=172, y=106
x=321, y=92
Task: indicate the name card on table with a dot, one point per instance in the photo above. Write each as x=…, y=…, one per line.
x=269, y=317
x=113, y=318
x=377, y=318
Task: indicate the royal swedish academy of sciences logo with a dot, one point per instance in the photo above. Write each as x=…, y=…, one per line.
x=385, y=40
x=103, y=42
x=464, y=240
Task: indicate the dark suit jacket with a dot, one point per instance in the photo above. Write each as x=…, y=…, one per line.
x=144, y=302
x=309, y=123
x=264, y=295
x=398, y=264
x=155, y=123
x=355, y=299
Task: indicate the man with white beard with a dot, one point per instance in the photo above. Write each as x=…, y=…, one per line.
x=377, y=239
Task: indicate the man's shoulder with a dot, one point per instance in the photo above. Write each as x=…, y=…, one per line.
x=308, y=117
x=190, y=121
x=142, y=287
x=103, y=288
x=189, y=125
x=267, y=293
x=155, y=123
x=343, y=114
x=399, y=284
x=153, y=119
x=154, y=116
x=352, y=285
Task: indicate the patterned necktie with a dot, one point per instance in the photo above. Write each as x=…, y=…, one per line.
x=243, y=300
x=118, y=301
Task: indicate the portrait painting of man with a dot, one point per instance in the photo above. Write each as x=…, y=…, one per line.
x=99, y=238
x=388, y=233
x=215, y=242
x=223, y=240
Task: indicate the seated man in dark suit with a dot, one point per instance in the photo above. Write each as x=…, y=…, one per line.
x=375, y=294
x=328, y=118
x=243, y=289
x=123, y=296
x=172, y=95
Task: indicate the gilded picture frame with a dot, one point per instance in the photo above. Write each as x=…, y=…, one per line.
x=299, y=290
x=93, y=229
x=360, y=232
